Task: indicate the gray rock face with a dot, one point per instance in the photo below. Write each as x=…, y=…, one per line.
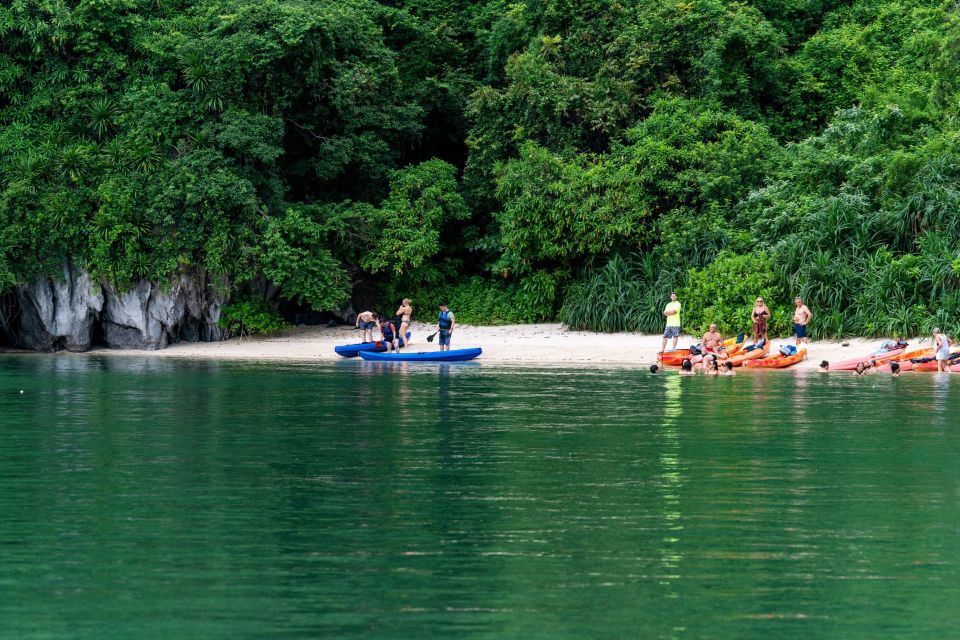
x=59, y=314
x=62, y=314
x=150, y=317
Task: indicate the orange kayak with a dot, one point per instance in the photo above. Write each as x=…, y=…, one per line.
x=904, y=360
x=745, y=356
x=675, y=358
x=778, y=361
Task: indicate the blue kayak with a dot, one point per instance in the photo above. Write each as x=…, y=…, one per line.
x=353, y=350
x=454, y=355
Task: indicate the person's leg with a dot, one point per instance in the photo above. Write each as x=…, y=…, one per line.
x=663, y=344
x=675, y=336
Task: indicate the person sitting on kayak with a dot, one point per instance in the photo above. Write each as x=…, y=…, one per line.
x=760, y=315
x=445, y=325
x=367, y=321
x=390, y=333
x=712, y=342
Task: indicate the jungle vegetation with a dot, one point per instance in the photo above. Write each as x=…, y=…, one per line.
x=571, y=159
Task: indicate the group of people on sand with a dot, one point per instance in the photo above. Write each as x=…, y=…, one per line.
x=394, y=331
x=712, y=341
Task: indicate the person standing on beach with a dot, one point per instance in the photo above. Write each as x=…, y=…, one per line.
x=672, y=313
x=759, y=316
x=801, y=317
x=405, y=313
x=445, y=325
x=367, y=321
x=941, y=346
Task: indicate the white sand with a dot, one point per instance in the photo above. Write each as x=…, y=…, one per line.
x=537, y=344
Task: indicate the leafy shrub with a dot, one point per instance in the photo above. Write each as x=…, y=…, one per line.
x=626, y=294
x=249, y=317
x=475, y=301
x=724, y=292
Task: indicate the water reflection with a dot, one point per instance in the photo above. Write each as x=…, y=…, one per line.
x=423, y=501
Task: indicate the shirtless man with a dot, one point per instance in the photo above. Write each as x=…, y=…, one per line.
x=368, y=322
x=405, y=312
x=712, y=342
x=801, y=316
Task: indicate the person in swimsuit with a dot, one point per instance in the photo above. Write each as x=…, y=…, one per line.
x=405, y=312
x=686, y=367
x=895, y=369
x=367, y=321
x=728, y=369
x=713, y=369
x=712, y=342
x=941, y=345
x=760, y=315
x=801, y=317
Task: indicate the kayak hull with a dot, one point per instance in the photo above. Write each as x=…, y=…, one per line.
x=739, y=359
x=353, y=350
x=878, y=359
x=779, y=361
x=454, y=355
x=676, y=358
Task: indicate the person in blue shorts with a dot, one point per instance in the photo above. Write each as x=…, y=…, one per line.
x=801, y=317
x=367, y=322
x=672, y=314
x=445, y=325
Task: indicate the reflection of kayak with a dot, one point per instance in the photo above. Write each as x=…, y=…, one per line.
x=353, y=350
x=454, y=355
x=778, y=361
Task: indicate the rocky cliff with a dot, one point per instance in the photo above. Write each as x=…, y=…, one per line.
x=72, y=311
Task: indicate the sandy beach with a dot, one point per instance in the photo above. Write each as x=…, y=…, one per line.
x=530, y=345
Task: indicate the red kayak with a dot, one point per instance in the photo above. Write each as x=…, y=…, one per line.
x=868, y=360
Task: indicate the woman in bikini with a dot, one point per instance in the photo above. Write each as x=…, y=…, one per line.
x=760, y=315
x=405, y=312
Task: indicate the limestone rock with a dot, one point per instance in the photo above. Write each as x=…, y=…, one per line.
x=59, y=314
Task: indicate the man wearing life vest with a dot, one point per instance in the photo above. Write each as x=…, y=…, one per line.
x=445, y=325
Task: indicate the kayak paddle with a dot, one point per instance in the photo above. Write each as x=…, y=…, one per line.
x=430, y=337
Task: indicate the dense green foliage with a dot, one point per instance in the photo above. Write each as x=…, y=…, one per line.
x=522, y=160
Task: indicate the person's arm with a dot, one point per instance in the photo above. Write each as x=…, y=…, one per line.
x=453, y=322
x=809, y=314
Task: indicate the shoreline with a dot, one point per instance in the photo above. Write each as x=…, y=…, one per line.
x=530, y=344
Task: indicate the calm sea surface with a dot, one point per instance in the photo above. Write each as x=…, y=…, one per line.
x=152, y=498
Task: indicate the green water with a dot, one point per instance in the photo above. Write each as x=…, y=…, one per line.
x=149, y=498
